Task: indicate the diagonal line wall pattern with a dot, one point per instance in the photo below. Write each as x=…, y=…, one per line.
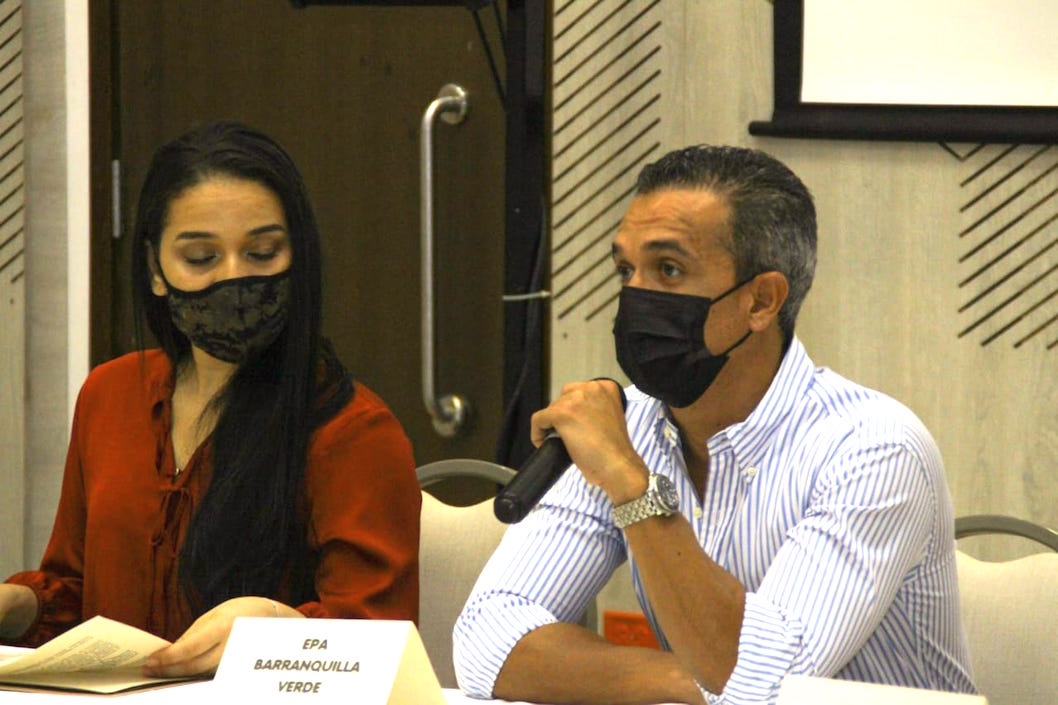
x=1008, y=269
x=605, y=125
x=13, y=369
x=12, y=179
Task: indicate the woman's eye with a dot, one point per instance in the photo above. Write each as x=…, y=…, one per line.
x=199, y=260
x=263, y=256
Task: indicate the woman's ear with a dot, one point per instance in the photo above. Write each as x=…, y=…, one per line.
x=769, y=290
x=157, y=281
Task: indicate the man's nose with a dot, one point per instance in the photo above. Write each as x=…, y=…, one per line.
x=637, y=281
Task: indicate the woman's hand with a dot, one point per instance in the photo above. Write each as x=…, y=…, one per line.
x=199, y=649
x=18, y=609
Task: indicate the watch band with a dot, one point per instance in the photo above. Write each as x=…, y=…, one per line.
x=660, y=499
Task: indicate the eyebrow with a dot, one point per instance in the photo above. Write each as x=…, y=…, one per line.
x=657, y=246
x=203, y=235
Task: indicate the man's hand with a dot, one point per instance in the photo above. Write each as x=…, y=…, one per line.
x=199, y=649
x=590, y=420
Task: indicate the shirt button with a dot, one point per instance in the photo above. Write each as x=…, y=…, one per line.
x=697, y=512
x=751, y=472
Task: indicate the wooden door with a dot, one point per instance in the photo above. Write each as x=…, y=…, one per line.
x=344, y=90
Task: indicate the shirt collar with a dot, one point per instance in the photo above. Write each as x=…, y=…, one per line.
x=750, y=438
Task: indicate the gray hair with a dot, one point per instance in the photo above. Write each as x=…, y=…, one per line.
x=773, y=219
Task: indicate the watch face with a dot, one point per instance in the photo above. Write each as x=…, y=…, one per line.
x=667, y=493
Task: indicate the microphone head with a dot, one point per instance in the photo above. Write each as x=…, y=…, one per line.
x=508, y=509
x=532, y=481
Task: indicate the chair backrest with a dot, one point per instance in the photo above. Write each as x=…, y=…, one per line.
x=463, y=467
x=1010, y=613
x=978, y=524
x=455, y=543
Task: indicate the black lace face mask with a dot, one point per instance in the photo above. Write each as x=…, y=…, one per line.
x=234, y=318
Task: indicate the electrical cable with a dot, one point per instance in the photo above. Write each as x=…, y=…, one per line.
x=531, y=338
x=499, y=27
x=491, y=59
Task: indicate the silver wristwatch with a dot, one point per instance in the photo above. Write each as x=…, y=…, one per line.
x=660, y=499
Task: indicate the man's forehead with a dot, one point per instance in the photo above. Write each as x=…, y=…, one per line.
x=689, y=217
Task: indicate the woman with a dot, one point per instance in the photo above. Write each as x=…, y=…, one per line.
x=237, y=471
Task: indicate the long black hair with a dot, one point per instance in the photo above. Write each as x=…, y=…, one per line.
x=246, y=536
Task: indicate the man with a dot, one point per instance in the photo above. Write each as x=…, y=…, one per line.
x=778, y=518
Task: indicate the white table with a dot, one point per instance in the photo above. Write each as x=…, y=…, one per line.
x=193, y=692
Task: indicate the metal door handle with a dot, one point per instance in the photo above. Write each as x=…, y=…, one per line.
x=450, y=411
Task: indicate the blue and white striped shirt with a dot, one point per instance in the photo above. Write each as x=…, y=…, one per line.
x=828, y=503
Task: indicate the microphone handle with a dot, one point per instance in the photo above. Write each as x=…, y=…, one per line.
x=544, y=467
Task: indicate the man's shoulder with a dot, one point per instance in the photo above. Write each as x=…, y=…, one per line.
x=843, y=396
x=863, y=413
x=819, y=400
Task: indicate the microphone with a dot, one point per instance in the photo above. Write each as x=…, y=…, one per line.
x=535, y=477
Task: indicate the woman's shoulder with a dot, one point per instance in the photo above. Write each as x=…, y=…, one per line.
x=152, y=363
x=364, y=404
x=140, y=370
x=365, y=417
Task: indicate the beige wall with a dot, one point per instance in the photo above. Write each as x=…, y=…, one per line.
x=884, y=309
x=35, y=351
x=12, y=285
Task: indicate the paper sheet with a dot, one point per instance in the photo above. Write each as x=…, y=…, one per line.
x=98, y=656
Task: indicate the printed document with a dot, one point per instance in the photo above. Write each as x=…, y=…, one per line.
x=97, y=656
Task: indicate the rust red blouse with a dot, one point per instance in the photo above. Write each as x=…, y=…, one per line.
x=123, y=511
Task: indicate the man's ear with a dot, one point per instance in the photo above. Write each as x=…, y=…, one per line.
x=769, y=290
x=157, y=282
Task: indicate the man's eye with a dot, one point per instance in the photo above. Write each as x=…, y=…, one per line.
x=624, y=273
x=670, y=270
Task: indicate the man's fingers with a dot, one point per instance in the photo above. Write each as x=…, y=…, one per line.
x=615, y=386
x=539, y=427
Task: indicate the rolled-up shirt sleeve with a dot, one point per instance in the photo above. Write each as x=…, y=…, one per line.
x=837, y=573
x=546, y=569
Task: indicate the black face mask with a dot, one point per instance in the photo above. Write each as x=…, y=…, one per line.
x=233, y=318
x=660, y=340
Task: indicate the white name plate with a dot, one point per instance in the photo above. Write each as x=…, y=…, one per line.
x=369, y=662
x=805, y=690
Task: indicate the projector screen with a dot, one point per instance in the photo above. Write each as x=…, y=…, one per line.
x=947, y=70
x=931, y=52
